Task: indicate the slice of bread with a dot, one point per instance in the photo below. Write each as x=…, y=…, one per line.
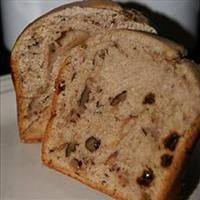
x=126, y=112
x=41, y=48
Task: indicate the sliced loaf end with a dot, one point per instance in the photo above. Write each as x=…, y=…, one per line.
x=119, y=122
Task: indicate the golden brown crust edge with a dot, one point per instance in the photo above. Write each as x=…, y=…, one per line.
x=18, y=91
x=15, y=78
x=184, y=150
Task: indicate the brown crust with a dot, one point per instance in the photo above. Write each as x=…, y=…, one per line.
x=180, y=159
x=16, y=81
x=28, y=138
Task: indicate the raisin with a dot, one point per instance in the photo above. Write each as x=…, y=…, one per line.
x=171, y=141
x=149, y=98
x=71, y=148
x=84, y=97
x=166, y=160
x=119, y=98
x=146, y=178
x=92, y=144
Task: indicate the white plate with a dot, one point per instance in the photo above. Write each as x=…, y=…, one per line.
x=23, y=177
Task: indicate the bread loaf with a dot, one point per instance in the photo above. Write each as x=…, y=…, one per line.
x=125, y=114
x=41, y=48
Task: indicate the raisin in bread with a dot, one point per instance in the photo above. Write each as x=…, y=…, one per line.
x=42, y=47
x=126, y=111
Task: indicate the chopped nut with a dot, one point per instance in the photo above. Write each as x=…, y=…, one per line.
x=71, y=148
x=92, y=144
x=112, y=158
x=84, y=97
x=119, y=98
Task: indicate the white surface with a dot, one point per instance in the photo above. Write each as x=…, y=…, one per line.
x=23, y=177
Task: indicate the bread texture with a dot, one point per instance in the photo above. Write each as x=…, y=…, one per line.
x=42, y=47
x=125, y=114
